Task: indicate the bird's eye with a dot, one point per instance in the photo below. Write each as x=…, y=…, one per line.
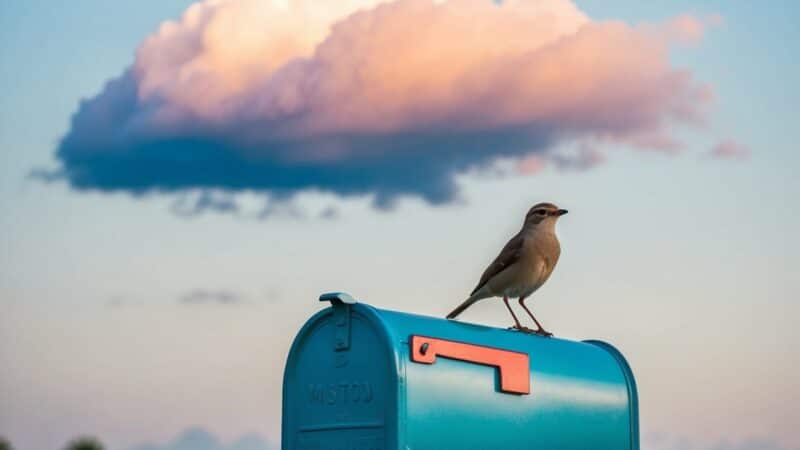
x=541, y=212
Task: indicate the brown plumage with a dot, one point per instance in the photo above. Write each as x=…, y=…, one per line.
x=523, y=265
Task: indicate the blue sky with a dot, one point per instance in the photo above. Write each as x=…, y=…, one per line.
x=686, y=262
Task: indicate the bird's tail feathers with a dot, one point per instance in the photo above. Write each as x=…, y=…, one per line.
x=463, y=306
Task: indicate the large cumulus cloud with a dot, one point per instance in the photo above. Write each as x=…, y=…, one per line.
x=368, y=97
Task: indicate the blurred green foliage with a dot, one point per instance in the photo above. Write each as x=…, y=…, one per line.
x=4, y=444
x=85, y=443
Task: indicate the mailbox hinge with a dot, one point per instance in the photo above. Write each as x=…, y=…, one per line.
x=341, y=303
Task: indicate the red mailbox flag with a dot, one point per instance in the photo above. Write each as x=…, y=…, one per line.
x=514, y=366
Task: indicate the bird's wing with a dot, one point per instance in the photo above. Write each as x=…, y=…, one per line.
x=508, y=256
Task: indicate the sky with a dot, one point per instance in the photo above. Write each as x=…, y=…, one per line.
x=149, y=297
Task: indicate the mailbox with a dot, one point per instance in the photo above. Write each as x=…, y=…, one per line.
x=362, y=378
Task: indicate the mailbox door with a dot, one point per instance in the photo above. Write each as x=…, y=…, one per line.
x=339, y=386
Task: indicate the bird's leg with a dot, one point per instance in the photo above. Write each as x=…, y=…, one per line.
x=518, y=325
x=540, y=330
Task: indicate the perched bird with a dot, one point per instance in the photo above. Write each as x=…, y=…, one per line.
x=523, y=266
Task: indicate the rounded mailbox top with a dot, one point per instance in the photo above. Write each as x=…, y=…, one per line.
x=361, y=377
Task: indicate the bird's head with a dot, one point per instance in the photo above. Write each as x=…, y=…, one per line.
x=544, y=213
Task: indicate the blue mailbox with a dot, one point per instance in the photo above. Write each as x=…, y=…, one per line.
x=362, y=378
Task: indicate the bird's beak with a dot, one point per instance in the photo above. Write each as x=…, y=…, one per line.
x=561, y=212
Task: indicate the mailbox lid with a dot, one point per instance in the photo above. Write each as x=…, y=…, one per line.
x=582, y=394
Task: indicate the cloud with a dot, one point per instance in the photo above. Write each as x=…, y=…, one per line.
x=191, y=204
x=337, y=97
x=583, y=157
x=690, y=29
x=730, y=149
x=47, y=176
x=120, y=301
x=203, y=296
x=531, y=165
x=200, y=439
x=329, y=213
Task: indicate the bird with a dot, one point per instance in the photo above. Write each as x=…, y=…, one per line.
x=523, y=266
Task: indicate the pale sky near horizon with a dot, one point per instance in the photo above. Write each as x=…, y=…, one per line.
x=686, y=262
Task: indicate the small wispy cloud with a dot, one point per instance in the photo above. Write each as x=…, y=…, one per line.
x=205, y=296
x=47, y=176
x=730, y=149
x=584, y=157
x=192, y=204
x=119, y=301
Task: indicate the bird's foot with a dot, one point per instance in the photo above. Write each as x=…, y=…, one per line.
x=542, y=332
x=521, y=328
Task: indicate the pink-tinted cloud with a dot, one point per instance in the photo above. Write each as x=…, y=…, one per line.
x=531, y=165
x=349, y=96
x=730, y=149
x=688, y=28
x=474, y=65
x=583, y=157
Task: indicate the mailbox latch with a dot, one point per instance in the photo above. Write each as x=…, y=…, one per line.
x=341, y=303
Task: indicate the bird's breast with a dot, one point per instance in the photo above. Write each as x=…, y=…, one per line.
x=539, y=257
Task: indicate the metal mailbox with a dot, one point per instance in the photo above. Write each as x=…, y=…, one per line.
x=362, y=378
